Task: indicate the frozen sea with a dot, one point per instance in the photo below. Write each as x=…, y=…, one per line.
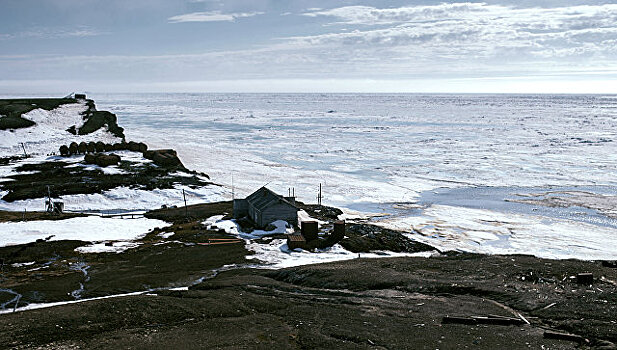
x=485, y=173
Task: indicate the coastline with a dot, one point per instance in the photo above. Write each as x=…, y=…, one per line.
x=167, y=252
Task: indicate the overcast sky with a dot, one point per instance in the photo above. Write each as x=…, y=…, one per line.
x=296, y=46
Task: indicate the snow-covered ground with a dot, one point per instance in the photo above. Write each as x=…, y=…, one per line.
x=90, y=228
x=116, y=199
x=50, y=133
x=125, y=199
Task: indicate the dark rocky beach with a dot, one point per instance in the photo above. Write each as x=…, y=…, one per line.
x=194, y=294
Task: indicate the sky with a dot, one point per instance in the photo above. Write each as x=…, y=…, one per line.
x=308, y=46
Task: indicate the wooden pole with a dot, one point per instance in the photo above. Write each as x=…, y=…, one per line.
x=186, y=209
x=24, y=148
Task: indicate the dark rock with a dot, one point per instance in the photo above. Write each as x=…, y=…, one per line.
x=117, y=147
x=108, y=147
x=142, y=147
x=64, y=150
x=363, y=238
x=74, y=148
x=98, y=119
x=100, y=147
x=90, y=158
x=14, y=123
x=82, y=148
x=72, y=130
x=104, y=160
x=165, y=158
x=91, y=147
x=133, y=146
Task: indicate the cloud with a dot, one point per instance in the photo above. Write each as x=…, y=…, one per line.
x=211, y=16
x=53, y=33
x=371, y=16
x=472, y=30
x=445, y=41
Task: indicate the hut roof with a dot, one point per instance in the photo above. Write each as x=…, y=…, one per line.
x=264, y=198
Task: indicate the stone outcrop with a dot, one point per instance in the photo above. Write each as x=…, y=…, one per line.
x=164, y=157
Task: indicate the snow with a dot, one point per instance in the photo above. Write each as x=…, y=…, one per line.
x=276, y=255
x=50, y=131
x=116, y=247
x=126, y=199
x=108, y=170
x=35, y=306
x=166, y=235
x=230, y=226
x=90, y=228
x=23, y=264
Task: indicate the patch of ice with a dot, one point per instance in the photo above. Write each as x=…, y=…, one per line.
x=23, y=264
x=90, y=228
x=116, y=247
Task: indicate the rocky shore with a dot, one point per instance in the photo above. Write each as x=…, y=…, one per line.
x=448, y=302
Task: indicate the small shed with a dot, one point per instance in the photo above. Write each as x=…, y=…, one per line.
x=264, y=206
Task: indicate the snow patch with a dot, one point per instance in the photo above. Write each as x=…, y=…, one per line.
x=276, y=255
x=91, y=228
x=50, y=131
x=126, y=199
x=166, y=235
x=116, y=247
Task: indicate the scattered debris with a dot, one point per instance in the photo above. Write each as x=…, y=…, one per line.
x=585, y=278
x=492, y=319
x=548, y=334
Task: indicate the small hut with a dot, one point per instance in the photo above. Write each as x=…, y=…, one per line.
x=264, y=206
